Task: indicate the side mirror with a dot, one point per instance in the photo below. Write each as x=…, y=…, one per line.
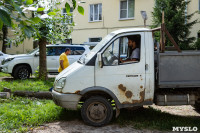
x=99, y=58
x=37, y=53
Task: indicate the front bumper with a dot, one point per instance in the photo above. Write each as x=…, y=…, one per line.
x=68, y=101
x=4, y=68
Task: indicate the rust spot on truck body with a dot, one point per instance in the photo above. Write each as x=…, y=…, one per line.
x=126, y=102
x=77, y=92
x=121, y=87
x=141, y=98
x=148, y=99
x=128, y=94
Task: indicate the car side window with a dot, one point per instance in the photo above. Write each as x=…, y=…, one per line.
x=51, y=51
x=60, y=50
x=78, y=50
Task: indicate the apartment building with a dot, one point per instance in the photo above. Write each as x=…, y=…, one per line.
x=104, y=16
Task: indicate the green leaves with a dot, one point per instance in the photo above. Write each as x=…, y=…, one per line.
x=36, y=20
x=29, y=2
x=67, y=7
x=52, y=13
x=81, y=10
x=74, y=3
x=1, y=24
x=5, y=17
x=40, y=9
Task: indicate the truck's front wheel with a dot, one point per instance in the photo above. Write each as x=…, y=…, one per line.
x=21, y=72
x=97, y=111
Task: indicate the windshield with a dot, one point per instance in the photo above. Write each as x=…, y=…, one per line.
x=85, y=58
x=33, y=51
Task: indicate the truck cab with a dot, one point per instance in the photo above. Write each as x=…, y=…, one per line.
x=100, y=77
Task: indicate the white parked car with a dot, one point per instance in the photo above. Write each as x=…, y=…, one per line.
x=21, y=66
x=2, y=56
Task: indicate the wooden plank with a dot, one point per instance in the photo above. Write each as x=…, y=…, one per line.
x=172, y=40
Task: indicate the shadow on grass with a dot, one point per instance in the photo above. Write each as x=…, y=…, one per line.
x=69, y=115
x=144, y=118
x=150, y=118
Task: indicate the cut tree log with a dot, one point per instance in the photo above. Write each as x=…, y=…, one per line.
x=6, y=90
x=39, y=95
x=4, y=95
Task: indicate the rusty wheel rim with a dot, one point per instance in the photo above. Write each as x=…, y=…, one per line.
x=97, y=112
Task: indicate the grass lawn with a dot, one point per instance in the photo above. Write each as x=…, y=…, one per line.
x=4, y=74
x=27, y=85
x=21, y=114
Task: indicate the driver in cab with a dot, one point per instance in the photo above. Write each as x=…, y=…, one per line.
x=135, y=54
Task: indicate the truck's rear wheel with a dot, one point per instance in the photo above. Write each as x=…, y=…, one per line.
x=21, y=72
x=97, y=111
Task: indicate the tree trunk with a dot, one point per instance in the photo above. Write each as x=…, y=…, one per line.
x=42, y=60
x=5, y=35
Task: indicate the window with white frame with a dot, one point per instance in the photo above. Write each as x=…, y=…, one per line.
x=95, y=12
x=127, y=9
x=68, y=16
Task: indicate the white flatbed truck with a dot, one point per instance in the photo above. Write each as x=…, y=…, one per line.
x=98, y=78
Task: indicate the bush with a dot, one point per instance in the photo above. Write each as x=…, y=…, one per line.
x=197, y=44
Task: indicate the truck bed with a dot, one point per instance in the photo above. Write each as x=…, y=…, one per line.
x=179, y=70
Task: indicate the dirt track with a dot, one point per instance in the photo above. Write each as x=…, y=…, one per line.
x=79, y=127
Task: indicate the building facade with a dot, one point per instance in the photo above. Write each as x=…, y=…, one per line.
x=104, y=16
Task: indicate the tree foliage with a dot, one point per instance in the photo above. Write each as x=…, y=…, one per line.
x=177, y=21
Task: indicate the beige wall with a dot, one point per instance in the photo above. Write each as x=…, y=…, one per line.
x=23, y=48
x=110, y=19
x=194, y=6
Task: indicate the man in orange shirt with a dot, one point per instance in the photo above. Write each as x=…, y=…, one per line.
x=64, y=63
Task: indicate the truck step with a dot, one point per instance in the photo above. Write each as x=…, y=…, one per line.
x=171, y=100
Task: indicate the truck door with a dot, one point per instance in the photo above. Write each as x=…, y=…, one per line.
x=126, y=80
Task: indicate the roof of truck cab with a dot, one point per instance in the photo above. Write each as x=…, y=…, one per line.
x=132, y=30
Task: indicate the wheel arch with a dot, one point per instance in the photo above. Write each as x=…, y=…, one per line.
x=22, y=64
x=100, y=91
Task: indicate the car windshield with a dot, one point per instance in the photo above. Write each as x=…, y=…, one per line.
x=85, y=58
x=33, y=51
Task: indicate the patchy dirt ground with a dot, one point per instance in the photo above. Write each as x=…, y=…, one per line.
x=80, y=127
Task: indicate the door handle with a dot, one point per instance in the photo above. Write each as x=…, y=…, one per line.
x=146, y=67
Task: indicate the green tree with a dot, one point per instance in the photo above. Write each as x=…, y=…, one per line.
x=53, y=28
x=11, y=13
x=47, y=25
x=177, y=21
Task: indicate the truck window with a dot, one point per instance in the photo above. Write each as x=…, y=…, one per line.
x=130, y=49
x=110, y=55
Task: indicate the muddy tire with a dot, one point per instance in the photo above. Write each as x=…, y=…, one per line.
x=22, y=72
x=96, y=111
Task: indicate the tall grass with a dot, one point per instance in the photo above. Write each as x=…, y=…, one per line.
x=20, y=114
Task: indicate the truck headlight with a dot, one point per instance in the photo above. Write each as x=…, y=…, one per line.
x=59, y=85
